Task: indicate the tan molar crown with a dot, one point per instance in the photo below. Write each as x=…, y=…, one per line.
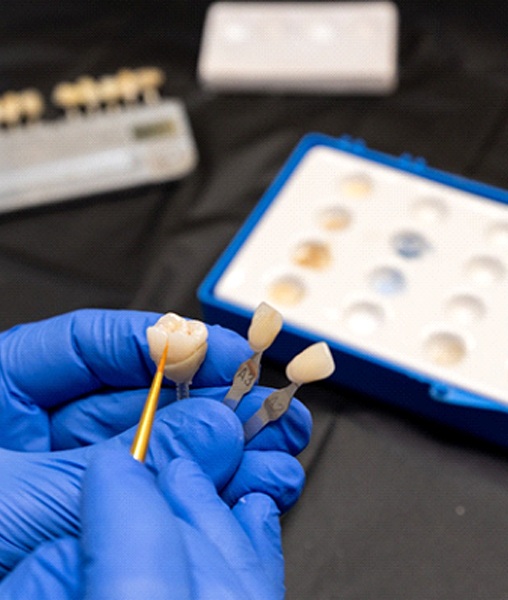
x=187, y=345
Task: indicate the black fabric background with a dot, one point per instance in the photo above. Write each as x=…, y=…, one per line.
x=395, y=508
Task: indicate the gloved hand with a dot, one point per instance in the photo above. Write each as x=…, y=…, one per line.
x=137, y=544
x=40, y=492
x=83, y=377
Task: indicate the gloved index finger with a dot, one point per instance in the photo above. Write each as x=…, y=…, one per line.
x=226, y=351
x=64, y=357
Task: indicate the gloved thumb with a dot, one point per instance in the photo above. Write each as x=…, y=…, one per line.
x=131, y=543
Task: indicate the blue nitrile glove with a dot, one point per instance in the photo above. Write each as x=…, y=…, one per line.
x=136, y=544
x=83, y=376
x=40, y=492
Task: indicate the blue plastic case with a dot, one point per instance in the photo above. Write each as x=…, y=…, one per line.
x=438, y=391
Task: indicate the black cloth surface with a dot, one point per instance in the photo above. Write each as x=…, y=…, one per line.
x=395, y=508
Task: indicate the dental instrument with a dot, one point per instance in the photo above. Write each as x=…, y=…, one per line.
x=139, y=446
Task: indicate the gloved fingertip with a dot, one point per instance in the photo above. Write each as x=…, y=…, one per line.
x=293, y=475
x=199, y=419
x=226, y=351
x=294, y=478
x=262, y=506
x=202, y=430
x=275, y=474
x=259, y=517
x=258, y=512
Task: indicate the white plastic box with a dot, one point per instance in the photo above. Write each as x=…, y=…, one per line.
x=314, y=47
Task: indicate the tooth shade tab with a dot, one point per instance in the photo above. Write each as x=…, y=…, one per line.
x=314, y=363
x=265, y=325
x=187, y=345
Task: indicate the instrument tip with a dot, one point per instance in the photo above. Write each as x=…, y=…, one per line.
x=162, y=361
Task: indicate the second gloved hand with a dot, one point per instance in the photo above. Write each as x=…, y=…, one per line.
x=40, y=492
x=173, y=541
